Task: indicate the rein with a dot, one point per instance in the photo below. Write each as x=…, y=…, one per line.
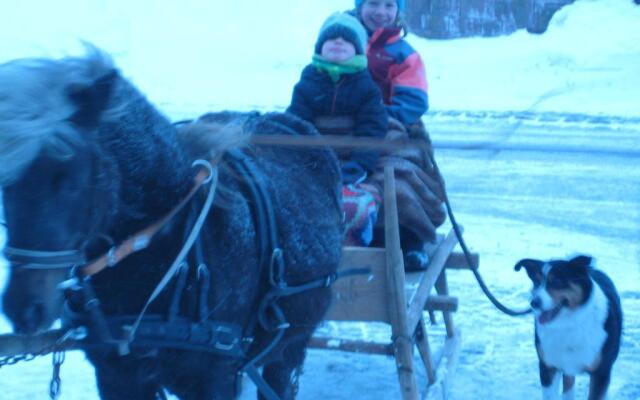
x=193, y=235
x=142, y=239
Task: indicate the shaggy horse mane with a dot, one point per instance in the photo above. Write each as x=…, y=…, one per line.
x=36, y=112
x=212, y=134
x=35, y=108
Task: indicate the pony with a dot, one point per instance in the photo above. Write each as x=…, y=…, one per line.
x=232, y=271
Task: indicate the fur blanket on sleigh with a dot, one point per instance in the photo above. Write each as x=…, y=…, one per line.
x=419, y=187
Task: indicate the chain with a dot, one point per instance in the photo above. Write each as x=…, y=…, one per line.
x=57, y=348
x=54, y=385
x=11, y=360
x=74, y=334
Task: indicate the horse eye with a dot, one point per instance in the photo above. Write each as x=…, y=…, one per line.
x=62, y=180
x=57, y=181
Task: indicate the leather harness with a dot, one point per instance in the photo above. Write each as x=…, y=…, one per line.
x=179, y=332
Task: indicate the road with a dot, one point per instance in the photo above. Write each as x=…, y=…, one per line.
x=581, y=177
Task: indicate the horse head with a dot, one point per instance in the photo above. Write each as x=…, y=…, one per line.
x=61, y=183
x=88, y=164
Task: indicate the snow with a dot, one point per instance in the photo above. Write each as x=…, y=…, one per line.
x=212, y=55
x=198, y=55
x=586, y=62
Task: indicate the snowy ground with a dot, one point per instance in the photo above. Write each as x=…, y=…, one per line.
x=203, y=56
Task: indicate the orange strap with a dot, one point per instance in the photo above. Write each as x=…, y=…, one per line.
x=140, y=240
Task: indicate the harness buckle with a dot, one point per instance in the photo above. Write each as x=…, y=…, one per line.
x=111, y=257
x=225, y=339
x=276, y=257
x=141, y=242
x=71, y=283
x=330, y=279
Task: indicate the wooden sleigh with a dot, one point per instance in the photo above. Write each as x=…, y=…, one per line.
x=390, y=295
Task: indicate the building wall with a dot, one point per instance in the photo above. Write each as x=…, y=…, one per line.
x=442, y=19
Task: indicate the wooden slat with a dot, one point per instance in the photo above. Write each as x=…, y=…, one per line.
x=450, y=353
x=442, y=287
x=352, y=346
x=422, y=343
x=457, y=260
x=361, y=297
x=442, y=303
x=395, y=291
x=416, y=304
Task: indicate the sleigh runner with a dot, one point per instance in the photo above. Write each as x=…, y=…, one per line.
x=390, y=295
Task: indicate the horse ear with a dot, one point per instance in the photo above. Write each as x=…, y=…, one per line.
x=581, y=261
x=91, y=99
x=528, y=263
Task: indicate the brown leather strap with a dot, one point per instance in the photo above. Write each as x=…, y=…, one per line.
x=141, y=239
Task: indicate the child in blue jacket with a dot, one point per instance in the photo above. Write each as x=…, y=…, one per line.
x=338, y=84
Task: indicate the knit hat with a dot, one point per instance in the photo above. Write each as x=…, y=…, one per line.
x=400, y=4
x=345, y=26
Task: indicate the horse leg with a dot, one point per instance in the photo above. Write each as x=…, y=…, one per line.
x=123, y=378
x=203, y=379
x=282, y=375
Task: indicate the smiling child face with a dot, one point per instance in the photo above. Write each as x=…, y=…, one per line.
x=378, y=13
x=338, y=50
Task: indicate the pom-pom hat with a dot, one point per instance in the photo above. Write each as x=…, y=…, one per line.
x=345, y=26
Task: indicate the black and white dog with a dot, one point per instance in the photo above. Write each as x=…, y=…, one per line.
x=578, y=324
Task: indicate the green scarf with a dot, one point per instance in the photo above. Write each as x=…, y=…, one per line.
x=355, y=64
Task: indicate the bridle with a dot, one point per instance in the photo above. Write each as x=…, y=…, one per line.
x=21, y=258
x=43, y=260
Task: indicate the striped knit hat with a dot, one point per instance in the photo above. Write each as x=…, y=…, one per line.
x=401, y=4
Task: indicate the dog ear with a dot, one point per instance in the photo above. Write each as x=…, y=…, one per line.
x=528, y=263
x=581, y=261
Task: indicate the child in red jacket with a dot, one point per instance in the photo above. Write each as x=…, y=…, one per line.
x=395, y=66
x=399, y=72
